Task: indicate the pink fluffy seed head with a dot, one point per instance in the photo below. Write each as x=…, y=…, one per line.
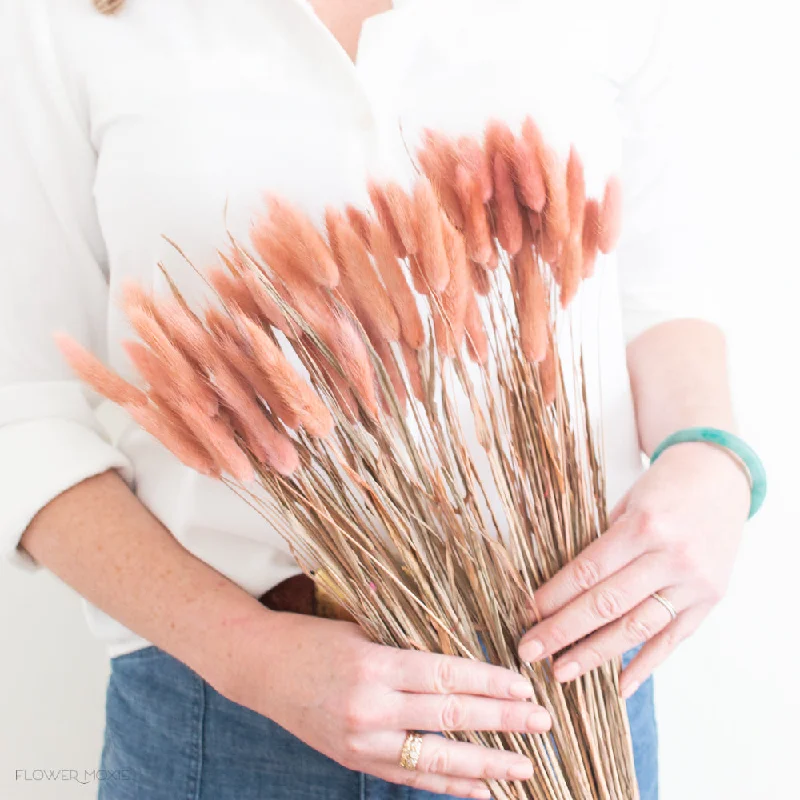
x=173, y=433
x=576, y=192
x=438, y=160
x=610, y=215
x=455, y=297
x=508, y=214
x=528, y=174
x=312, y=255
x=288, y=385
x=476, y=225
x=399, y=291
x=480, y=279
x=351, y=353
x=94, y=373
x=532, y=310
x=473, y=158
x=269, y=445
x=591, y=232
x=233, y=293
x=477, y=340
x=360, y=223
x=361, y=286
x=429, y=221
x=571, y=264
x=498, y=139
x=402, y=210
x=384, y=213
x=413, y=370
x=217, y=437
x=270, y=311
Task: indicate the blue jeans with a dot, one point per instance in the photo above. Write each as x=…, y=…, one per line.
x=170, y=736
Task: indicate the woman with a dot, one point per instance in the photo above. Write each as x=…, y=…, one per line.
x=145, y=120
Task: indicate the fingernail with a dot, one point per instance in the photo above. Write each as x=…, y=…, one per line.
x=567, y=672
x=538, y=720
x=521, y=689
x=531, y=650
x=482, y=794
x=628, y=689
x=521, y=771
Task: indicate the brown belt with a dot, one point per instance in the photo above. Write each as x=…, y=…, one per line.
x=300, y=595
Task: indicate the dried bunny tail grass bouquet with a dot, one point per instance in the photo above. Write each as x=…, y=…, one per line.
x=394, y=388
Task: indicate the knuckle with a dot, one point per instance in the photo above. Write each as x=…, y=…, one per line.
x=354, y=747
x=670, y=640
x=488, y=769
x=558, y=638
x=415, y=779
x=651, y=526
x=444, y=676
x=683, y=557
x=510, y=717
x=438, y=763
x=607, y=604
x=637, y=630
x=496, y=685
x=355, y=714
x=367, y=668
x=585, y=574
x=591, y=656
x=453, y=713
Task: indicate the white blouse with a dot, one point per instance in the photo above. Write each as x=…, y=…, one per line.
x=173, y=117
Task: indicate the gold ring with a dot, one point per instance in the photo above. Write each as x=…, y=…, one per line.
x=412, y=747
x=666, y=603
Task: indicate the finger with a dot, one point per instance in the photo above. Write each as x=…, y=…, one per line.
x=457, y=712
x=594, y=609
x=659, y=647
x=441, y=756
x=429, y=673
x=437, y=784
x=599, y=561
x=639, y=625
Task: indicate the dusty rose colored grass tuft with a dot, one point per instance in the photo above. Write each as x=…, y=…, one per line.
x=92, y=371
x=428, y=219
x=174, y=434
x=508, y=216
x=399, y=291
x=591, y=234
x=360, y=285
x=610, y=223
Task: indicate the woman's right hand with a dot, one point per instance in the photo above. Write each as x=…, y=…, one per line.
x=321, y=680
x=354, y=701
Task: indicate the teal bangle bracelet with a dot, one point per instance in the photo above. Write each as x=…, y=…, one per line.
x=734, y=445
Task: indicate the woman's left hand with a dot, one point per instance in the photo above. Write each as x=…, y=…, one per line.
x=676, y=533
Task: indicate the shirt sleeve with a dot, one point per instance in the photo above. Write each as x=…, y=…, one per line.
x=51, y=277
x=665, y=261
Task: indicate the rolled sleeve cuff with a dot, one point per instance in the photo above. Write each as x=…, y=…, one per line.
x=40, y=459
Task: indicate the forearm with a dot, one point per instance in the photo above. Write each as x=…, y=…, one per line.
x=102, y=541
x=679, y=377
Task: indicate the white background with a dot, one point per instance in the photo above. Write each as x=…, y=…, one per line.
x=728, y=701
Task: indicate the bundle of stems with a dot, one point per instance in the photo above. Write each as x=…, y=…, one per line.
x=391, y=396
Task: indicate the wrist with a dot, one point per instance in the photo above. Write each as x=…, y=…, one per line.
x=732, y=446
x=230, y=653
x=719, y=465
